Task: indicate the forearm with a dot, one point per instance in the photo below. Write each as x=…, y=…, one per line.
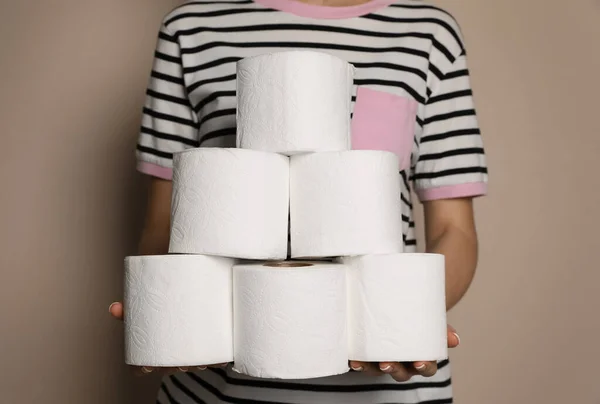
x=153, y=242
x=156, y=232
x=460, y=251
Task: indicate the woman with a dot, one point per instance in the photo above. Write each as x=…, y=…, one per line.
x=412, y=81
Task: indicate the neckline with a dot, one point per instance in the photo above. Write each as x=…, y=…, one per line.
x=314, y=11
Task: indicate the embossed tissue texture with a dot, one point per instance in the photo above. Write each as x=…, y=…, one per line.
x=178, y=310
x=293, y=102
x=397, y=307
x=290, y=323
x=345, y=203
x=230, y=202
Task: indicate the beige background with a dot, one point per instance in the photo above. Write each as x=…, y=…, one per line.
x=73, y=76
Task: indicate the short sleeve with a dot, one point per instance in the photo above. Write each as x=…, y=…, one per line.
x=450, y=161
x=169, y=122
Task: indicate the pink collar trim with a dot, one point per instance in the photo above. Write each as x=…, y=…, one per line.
x=314, y=11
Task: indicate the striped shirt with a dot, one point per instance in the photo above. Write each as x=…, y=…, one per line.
x=407, y=54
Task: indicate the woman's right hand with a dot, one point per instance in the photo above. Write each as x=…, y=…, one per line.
x=116, y=310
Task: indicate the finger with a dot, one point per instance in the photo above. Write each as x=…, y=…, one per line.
x=398, y=371
x=218, y=365
x=453, y=338
x=116, y=310
x=366, y=367
x=426, y=369
x=142, y=370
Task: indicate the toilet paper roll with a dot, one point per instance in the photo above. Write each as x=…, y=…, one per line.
x=397, y=307
x=294, y=102
x=290, y=320
x=345, y=204
x=178, y=310
x=230, y=202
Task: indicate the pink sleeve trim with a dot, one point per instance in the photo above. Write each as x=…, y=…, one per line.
x=452, y=191
x=155, y=170
x=316, y=11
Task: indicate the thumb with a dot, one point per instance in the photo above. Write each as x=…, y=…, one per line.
x=116, y=310
x=453, y=338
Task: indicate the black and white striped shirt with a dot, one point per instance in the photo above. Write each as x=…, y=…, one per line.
x=404, y=49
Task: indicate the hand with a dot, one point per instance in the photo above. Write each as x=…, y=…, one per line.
x=404, y=371
x=116, y=310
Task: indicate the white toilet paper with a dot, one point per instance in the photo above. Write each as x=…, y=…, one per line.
x=290, y=320
x=230, y=202
x=345, y=204
x=397, y=307
x=293, y=102
x=178, y=310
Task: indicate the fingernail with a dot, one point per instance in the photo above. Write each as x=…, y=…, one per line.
x=223, y=365
x=201, y=367
x=421, y=367
x=111, y=306
x=457, y=338
x=183, y=369
x=386, y=369
x=357, y=369
x=146, y=370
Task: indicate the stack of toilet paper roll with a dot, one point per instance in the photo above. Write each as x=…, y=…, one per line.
x=231, y=289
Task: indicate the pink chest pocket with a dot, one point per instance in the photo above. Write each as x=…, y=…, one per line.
x=384, y=121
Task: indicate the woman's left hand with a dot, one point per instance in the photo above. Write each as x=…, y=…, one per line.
x=404, y=371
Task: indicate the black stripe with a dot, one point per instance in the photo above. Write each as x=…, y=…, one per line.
x=437, y=21
x=218, y=133
x=217, y=114
x=170, y=118
x=450, y=96
x=186, y=390
x=406, y=201
x=172, y=399
x=168, y=58
x=449, y=115
x=168, y=136
x=201, y=83
x=212, y=97
x=404, y=177
x=166, y=37
x=390, y=83
x=456, y=74
x=181, y=101
x=217, y=393
x=392, y=66
x=410, y=242
x=166, y=77
x=450, y=153
x=211, y=64
x=420, y=122
x=155, y=152
x=444, y=50
x=303, y=45
x=437, y=72
x=308, y=27
x=452, y=171
x=421, y=6
x=453, y=133
x=329, y=388
x=217, y=13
